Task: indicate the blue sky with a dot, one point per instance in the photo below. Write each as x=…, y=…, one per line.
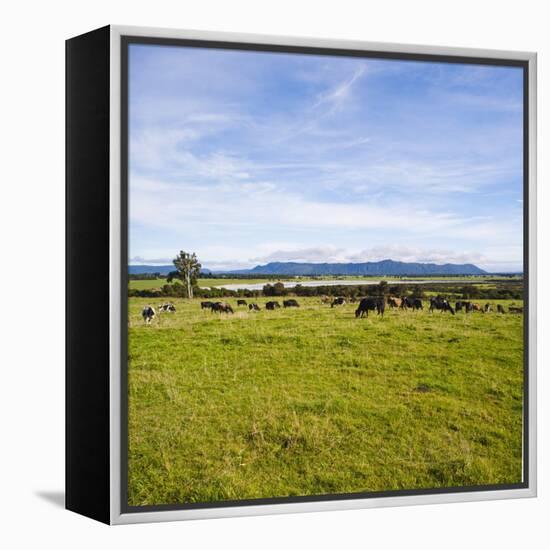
x=251, y=157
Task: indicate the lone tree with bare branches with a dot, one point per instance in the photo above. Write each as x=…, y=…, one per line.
x=187, y=270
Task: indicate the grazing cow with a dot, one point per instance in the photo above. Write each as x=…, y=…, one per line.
x=477, y=307
x=148, y=314
x=272, y=305
x=438, y=302
x=253, y=307
x=515, y=309
x=459, y=306
x=222, y=307
x=413, y=303
x=206, y=305
x=241, y=302
x=488, y=308
x=371, y=304
x=290, y=303
x=340, y=301
x=325, y=299
x=468, y=307
x=500, y=309
x=167, y=308
x=394, y=302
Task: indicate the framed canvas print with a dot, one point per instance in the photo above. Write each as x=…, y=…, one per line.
x=300, y=274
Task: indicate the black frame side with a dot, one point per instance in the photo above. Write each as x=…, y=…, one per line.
x=87, y=471
x=126, y=41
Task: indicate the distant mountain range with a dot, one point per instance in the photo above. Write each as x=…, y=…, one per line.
x=384, y=267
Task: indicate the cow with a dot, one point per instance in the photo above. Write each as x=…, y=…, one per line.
x=340, y=301
x=459, y=306
x=325, y=299
x=206, y=305
x=290, y=303
x=371, y=304
x=487, y=308
x=241, y=302
x=438, y=302
x=167, y=308
x=253, y=307
x=468, y=307
x=500, y=309
x=413, y=303
x=272, y=305
x=394, y=302
x=515, y=309
x=477, y=307
x=148, y=314
x=221, y=307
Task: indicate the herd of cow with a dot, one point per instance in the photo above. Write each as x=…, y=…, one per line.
x=377, y=304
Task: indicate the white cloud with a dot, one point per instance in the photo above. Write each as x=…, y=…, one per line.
x=338, y=94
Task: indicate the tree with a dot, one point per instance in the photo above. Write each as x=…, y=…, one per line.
x=187, y=270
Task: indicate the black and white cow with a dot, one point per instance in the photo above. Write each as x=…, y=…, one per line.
x=148, y=314
x=168, y=307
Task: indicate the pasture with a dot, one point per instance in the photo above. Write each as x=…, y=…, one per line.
x=310, y=400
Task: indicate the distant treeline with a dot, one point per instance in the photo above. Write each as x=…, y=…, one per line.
x=145, y=276
x=504, y=291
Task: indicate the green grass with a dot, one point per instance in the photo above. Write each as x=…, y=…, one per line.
x=312, y=401
x=147, y=284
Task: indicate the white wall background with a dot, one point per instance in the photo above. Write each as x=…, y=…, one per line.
x=32, y=255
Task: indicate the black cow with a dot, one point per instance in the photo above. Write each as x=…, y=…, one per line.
x=412, y=303
x=515, y=309
x=290, y=303
x=488, y=308
x=241, y=302
x=459, y=306
x=500, y=309
x=442, y=304
x=340, y=301
x=222, y=307
x=371, y=304
x=253, y=307
x=272, y=305
x=206, y=305
x=148, y=314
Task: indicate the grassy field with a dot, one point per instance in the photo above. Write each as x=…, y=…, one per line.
x=312, y=401
x=146, y=284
